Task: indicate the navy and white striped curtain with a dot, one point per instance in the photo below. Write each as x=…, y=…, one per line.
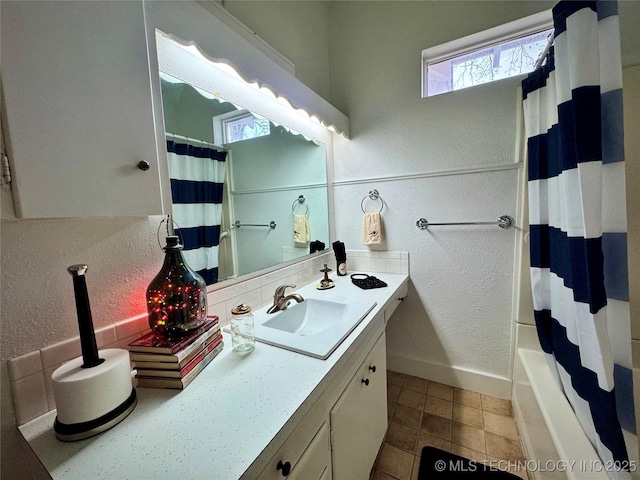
x=573, y=117
x=197, y=177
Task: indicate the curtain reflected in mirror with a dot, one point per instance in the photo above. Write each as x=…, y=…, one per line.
x=197, y=175
x=264, y=204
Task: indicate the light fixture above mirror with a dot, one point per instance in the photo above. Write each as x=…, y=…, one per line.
x=221, y=79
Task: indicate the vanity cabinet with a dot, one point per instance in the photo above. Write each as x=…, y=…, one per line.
x=359, y=418
x=79, y=114
x=352, y=416
x=352, y=410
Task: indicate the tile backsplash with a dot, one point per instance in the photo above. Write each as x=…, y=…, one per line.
x=30, y=374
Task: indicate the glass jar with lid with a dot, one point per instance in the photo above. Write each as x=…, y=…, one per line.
x=243, y=339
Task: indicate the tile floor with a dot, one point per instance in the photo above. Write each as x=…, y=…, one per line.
x=424, y=413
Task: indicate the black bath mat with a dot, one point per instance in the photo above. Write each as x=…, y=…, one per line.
x=436, y=463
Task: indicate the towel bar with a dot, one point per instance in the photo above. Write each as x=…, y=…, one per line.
x=503, y=221
x=271, y=224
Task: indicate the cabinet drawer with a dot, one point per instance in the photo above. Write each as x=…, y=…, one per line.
x=315, y=463
x=396, y=300
x=295, y=445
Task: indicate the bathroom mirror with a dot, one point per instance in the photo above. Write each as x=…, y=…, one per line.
x=274, y=175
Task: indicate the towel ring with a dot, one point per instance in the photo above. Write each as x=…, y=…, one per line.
x=373, y=195
x=300, y=201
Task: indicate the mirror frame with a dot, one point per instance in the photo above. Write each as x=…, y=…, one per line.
x=188, y=18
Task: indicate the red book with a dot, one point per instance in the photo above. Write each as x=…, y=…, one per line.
x=141, y=372
x=155, y=343
x=150, y=361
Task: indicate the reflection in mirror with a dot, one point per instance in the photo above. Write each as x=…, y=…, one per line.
x=270, y=175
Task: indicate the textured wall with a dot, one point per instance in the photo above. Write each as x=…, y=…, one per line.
x=298, y=30
x=459, y=312
x=38, y=306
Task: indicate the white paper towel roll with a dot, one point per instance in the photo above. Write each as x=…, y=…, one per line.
x=85, y=394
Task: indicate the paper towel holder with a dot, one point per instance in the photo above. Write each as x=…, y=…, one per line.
x=93, y=392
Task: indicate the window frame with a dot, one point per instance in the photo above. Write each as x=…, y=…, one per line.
x=234, y=118
x=459, y=47
x=219, y=127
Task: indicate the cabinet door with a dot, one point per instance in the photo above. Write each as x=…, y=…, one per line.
x=359, y=418
x=79, y=112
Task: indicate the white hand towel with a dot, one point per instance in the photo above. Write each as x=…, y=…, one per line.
x=301, y=232
x=372, y=233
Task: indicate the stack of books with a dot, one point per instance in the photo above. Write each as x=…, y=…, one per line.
x=168, y=362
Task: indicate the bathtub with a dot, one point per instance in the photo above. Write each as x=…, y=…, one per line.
x=553, y=440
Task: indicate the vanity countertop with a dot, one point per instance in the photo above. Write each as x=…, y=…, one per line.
x=220, y=424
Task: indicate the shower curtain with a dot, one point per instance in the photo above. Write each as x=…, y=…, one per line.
x=573, y=122
x=197, y=177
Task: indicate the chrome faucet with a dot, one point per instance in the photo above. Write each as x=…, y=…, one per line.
x=280, y=302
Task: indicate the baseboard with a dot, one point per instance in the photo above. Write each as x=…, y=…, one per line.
x=480, y=382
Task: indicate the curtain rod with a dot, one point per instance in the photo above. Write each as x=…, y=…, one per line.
x=191, y=139
x=543, y=55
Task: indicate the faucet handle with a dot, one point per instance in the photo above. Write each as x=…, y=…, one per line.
x=326, y=269
x=281, y=290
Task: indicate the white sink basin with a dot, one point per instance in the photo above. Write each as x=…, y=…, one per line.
x=309, y=317
x=314, y=327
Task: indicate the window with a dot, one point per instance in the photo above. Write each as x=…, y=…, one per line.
x=501, y=52
x=245, y=127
